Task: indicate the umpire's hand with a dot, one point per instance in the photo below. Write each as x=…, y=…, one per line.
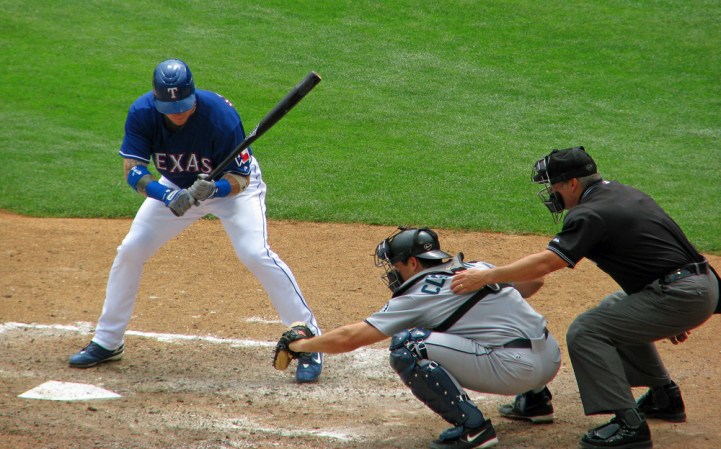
x=468, y=281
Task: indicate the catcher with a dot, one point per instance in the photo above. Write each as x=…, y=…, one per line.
x=490, y=341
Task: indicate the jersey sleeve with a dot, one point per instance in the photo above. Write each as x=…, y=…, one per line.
x=582, y=230
x=398, y=314
x=137, y=141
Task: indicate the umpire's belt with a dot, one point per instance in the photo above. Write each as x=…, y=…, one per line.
x=691, y=269
x=524, y=343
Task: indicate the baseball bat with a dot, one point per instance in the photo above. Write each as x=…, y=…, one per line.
x=270, y=119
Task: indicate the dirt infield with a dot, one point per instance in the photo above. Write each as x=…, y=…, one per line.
x=197, y=371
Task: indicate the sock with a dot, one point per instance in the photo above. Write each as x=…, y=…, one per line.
x=631, y=417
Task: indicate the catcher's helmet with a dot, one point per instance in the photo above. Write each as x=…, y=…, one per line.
x=406, y=242
x=402, y=244
x=173, y=87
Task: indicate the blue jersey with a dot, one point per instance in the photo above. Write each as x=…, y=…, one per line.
x=210, y=135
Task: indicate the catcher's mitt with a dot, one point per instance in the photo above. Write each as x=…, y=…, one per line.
x=283, y=354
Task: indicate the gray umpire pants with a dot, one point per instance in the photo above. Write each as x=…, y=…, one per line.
x=612, y=345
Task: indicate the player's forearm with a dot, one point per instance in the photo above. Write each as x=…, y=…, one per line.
x=343, y=339
x=334, y=342
x=238, y=183
x=143, y=182
x=535, y=266
x=322, y=343
x=140, y=185
x=529, y=268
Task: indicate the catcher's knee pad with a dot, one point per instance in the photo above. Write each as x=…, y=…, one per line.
x=413, y=339
x=407, y=347
x=432, y=384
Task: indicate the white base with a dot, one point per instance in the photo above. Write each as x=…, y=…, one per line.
x=68, y=391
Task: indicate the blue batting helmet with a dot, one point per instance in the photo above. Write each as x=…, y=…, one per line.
x=173, y=87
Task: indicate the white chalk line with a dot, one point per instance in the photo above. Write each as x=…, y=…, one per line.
x=257, y=319
x=84, y=327
x=247, y=425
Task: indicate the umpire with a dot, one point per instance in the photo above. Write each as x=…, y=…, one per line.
x=667, y=289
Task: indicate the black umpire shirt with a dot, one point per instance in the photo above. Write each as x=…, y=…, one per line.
x=625, y=233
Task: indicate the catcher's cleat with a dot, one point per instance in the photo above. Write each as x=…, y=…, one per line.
x=530, y=406
x=309, y=367
x=93, y=354
x=663, y=403
x=461, y=438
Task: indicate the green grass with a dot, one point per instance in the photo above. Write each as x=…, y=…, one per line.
x=429, y=113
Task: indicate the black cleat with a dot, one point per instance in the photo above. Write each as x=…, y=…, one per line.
x=530, y=406
x=460, y=438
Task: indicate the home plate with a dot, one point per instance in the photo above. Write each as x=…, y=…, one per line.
x=68, y=391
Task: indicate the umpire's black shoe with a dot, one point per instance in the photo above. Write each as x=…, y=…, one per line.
x=534, y=407
x=93, y=354
x=663, y=403
x=462, y=438
x=619, y=433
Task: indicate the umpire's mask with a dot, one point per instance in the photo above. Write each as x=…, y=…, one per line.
x=559, y=166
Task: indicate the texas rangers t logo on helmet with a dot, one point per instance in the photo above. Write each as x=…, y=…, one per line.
x=173, y=91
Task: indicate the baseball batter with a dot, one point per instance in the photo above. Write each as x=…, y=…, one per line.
x=442, y=342
x=185, y=132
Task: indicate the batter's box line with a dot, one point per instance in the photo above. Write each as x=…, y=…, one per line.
x=250, y=427
x=85, y=327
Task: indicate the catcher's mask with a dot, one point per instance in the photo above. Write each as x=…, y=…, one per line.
x=559, y=166
x=401, y=245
